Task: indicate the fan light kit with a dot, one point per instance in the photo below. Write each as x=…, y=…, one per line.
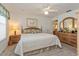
x=46, y=12
x=48, y=9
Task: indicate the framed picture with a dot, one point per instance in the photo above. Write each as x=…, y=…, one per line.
x=31, y=22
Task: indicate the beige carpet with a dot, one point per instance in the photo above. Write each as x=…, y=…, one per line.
x=67, y=50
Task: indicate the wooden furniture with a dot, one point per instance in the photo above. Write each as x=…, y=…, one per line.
x=32, y=30
x=13, y=39
x=69, y=38
x=68, y=31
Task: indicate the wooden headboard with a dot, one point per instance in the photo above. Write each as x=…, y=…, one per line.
x=32, y=30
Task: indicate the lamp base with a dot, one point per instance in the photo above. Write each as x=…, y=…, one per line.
x=14, y=32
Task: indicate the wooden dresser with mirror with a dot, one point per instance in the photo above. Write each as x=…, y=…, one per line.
x=68, y=31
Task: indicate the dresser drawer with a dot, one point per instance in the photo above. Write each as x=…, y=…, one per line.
x=69, y=38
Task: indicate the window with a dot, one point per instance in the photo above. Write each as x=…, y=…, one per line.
x=2, y=27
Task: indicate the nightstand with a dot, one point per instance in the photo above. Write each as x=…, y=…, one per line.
x=13, y=39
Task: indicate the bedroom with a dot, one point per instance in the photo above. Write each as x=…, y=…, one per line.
x=35, y=21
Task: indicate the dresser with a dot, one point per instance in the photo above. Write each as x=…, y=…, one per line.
x=13, y=39
x=68, y=38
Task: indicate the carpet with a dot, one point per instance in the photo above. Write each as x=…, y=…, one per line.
x=66, y=50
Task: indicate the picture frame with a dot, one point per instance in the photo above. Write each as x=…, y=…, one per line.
x=31, y=22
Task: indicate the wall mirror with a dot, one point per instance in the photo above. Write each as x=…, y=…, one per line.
x=69, y=24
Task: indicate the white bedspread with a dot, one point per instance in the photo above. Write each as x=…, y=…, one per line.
x=29, y=42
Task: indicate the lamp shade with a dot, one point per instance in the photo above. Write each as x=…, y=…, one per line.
x=14, y=28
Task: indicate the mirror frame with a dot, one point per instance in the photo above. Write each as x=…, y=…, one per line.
x=62, y=22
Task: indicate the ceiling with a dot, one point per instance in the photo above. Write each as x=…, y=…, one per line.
x=23, y=9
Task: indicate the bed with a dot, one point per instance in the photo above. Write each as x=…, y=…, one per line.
x=30, y=42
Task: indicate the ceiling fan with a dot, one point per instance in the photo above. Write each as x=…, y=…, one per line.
x=48, y=9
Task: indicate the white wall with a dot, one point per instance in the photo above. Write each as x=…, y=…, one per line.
x=45, y=22
x=77, y=15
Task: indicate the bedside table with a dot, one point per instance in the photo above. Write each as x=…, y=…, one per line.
x=13, y=39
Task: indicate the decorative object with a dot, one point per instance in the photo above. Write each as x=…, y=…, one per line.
x=31, y=22
x=55, y=25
